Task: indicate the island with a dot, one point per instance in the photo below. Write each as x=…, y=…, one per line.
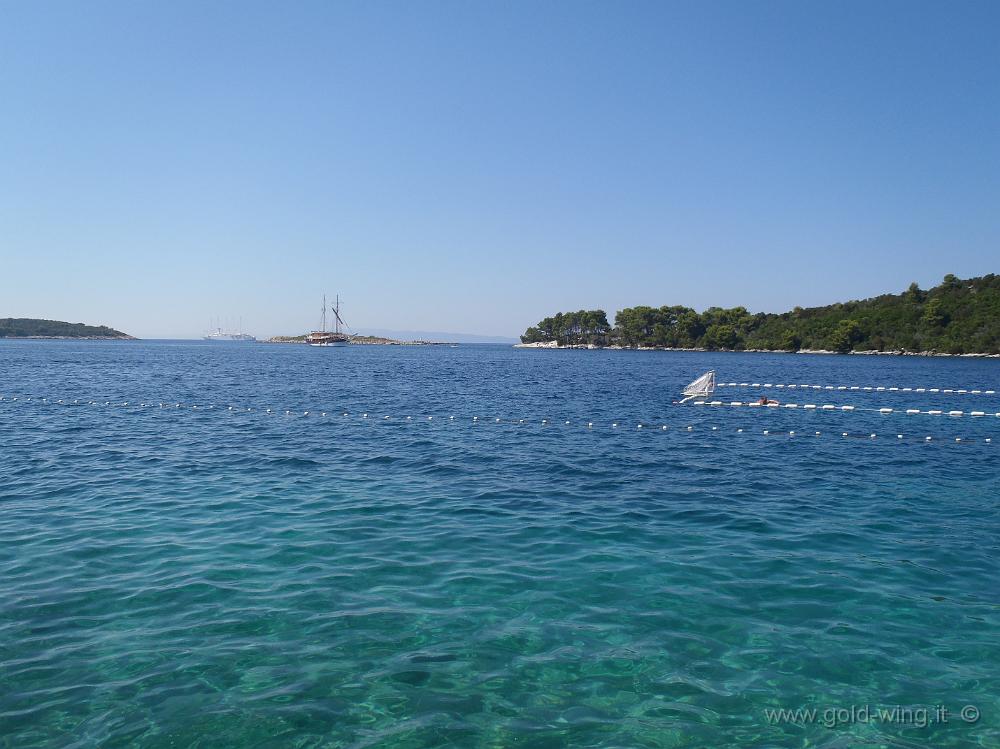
x=27, y=327
x=959, y=317
x=360, y=340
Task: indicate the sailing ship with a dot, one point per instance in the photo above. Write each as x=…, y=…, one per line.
x=325, y=337
x=218, y=335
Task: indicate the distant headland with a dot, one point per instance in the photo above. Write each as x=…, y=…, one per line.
x=959, y=317
x=26, y=327
x=360, y=340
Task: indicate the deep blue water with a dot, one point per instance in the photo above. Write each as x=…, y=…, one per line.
x=176, y=576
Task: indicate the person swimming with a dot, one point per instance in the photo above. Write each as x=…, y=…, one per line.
x=765, y=402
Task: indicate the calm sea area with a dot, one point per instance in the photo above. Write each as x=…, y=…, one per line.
x=285, y=546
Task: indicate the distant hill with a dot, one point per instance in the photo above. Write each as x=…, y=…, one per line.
x=956, y=317
x=26, y=327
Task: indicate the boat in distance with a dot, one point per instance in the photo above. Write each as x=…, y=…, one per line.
x=218, y=335
x=326, y=337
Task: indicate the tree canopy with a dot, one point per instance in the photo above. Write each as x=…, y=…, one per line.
x=956, y=317
x=571, y=328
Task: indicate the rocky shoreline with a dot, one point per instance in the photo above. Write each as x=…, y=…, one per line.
x=592, y=347
x=68, y=338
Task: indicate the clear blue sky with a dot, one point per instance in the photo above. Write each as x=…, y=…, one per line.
x=473, y=167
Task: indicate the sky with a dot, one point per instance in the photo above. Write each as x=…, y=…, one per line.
x=476, y=166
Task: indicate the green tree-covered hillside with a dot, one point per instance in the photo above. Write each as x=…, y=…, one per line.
x=956, y=317
x=25, y=327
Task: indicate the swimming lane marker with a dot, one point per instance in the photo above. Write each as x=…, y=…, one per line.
x=880, y=388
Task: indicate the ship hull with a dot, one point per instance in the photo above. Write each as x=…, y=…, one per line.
x=322, y=338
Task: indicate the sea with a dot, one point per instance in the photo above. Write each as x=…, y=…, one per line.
x=250, y=545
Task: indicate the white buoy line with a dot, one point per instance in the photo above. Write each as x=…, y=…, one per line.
x=616, y=426
x=848, y=408
x=857, y=388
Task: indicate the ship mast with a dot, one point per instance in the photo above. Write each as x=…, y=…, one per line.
x=324, y=313
x=336, y=313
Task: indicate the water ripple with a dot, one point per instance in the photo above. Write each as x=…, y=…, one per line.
x=207, y=577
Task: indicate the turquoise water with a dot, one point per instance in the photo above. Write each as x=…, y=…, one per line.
x=178, y=576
